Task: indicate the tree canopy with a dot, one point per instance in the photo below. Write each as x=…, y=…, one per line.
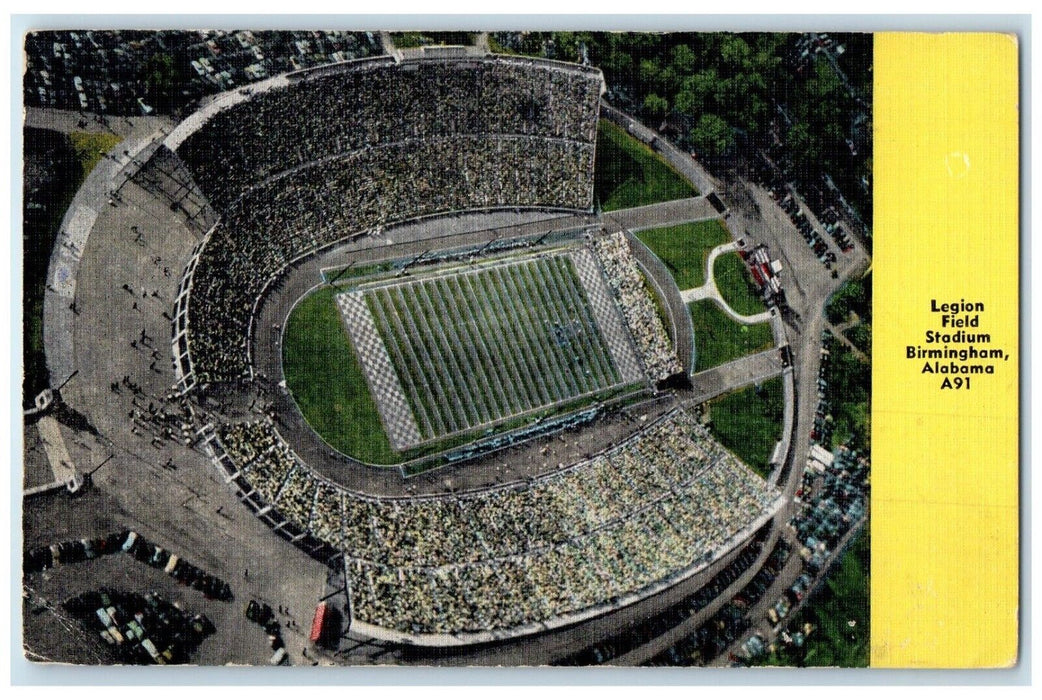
x=727, y=96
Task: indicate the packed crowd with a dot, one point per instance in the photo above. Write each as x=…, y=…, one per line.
x=659, y=503
x=316, y=206
x=374, y=103
x=659, y=624
x=491, y=134
x=630, y=291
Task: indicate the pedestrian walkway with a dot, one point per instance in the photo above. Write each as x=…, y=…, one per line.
x=96, y=194
x=387, y=44
x=671, y=213
x=709, y=290
x=838, y=334
x=62, y=466
x=69, y=121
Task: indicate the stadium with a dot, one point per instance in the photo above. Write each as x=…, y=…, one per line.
x=465, y=350
x=369, y=336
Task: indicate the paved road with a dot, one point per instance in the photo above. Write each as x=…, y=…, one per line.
x=69, y=121
x=678, y=211
x=91, y=200
x=387, y=44
x=751, y=369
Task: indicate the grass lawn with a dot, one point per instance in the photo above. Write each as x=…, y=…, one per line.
x=719, y=339
x=90, y=147
x=853, y=297
x=629, y=174
x=849, y=394
x=326, y=380
x=749, y=421
x=685, y=248
x=736, y=285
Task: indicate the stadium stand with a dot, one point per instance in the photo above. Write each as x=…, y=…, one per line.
x=633, y=298
x=373, y=103
x=660, y=503
x=310, y=159
x=307, y=163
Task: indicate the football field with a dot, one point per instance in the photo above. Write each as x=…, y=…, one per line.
x=468, y=348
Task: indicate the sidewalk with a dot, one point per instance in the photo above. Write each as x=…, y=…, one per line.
x=709, y=290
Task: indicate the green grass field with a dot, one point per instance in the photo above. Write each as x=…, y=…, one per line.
x=326, y=380
x=474, y=349
x=450, y=328
x=719, y=339
x=629, y=174
x=736, y=285
x=685, y=248
x=749, y=422
x=90, y=147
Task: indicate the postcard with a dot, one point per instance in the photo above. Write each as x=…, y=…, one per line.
x=508, y=348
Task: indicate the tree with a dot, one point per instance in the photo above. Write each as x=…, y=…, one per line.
x=648, y=74
x=566, y=46
x=712, y=136
x=655, y=106
x=802, y=147
x=669, y=81
x=698, y=94
x=683, y=60
x=735, y=54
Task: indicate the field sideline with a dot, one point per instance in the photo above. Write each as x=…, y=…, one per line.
x=326, y=380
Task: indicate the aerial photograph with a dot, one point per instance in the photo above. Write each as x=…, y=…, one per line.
x=446, y=348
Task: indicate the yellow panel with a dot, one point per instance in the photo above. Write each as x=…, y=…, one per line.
x=944, y=461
